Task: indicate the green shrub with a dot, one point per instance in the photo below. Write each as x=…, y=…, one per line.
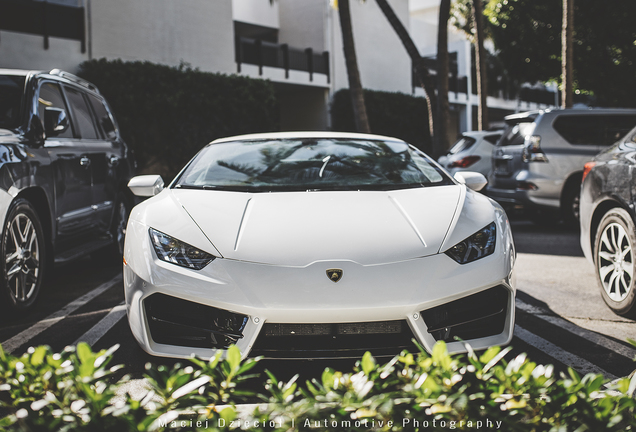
x=392, y=114
x=71, y=391
x=167, y=114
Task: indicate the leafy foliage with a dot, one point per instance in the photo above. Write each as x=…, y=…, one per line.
x=527, y=35
x=167, y=114
x=392, y=114
x=71, y=391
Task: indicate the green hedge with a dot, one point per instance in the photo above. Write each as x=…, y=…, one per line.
x=74, y=391
x=393, y=114
x=166, y=114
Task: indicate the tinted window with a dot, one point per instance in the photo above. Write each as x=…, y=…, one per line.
x=104, y=121
x=311, y=164
x=616, y=127
x=464, y=143
x=594, y=129
x=82, y=114
x=11, y=89
x=492, y=139
x=516, y=134
x=50, y=96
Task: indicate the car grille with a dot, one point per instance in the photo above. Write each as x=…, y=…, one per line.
x=175, y=321
x=342, y=340
x=472, y=317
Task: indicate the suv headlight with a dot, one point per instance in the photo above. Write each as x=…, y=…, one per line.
x=477, y=246
x=175, y=251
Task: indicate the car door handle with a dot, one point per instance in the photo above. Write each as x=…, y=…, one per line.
x=85, y=162
x=114, y=161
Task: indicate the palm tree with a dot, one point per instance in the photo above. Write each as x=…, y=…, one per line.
x=480, y=65
x=443, y=107
x=567, y=67
x=421, y=71
x=355, y=84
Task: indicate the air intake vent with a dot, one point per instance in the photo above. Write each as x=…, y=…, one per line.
x=473, y=317
x=341, y=340
x=174, y=321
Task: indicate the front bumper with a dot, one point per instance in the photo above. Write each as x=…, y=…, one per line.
x=267, y=294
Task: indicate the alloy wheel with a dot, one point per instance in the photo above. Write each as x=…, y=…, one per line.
x=22, y=258
x=615, y=262
x=120, y=226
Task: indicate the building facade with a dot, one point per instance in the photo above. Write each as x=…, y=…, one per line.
x=296, y=44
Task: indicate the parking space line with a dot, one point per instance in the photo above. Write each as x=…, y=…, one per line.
x=589, y=335
x=567, y=358
x=98, y=330
x=26, y=335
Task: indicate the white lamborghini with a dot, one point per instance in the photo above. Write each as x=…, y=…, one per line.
x=316, y=245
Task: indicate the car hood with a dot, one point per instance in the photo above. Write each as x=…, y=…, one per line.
x=300, y=228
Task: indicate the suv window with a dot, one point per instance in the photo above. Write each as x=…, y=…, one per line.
x=464, y=143
x=594, y=129
x=82, y=114
x=516, y=134
x=50, y=96
x=104, y=121
x=492, y=139
x=11, y=89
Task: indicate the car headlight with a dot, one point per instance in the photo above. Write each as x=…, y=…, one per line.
x=477, y=246
x=174, y=251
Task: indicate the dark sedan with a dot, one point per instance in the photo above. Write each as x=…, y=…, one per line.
x=608, y=228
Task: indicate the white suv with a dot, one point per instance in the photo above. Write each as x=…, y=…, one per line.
x=538, y=162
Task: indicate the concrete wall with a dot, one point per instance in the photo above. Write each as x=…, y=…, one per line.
x=199, y=32
x=258, y=12
x=25, y=51
x=304, y=24
x=382, y=60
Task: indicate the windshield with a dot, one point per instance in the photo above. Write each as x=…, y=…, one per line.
x=310, y=164
x=11, y=89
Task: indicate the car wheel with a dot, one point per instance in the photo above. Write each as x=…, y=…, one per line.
x=570, y=204
x=24, y=252
x=615, y=261
x=120, y=221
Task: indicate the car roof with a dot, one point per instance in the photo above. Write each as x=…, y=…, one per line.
x=16, y=72
x=306, y=134
x=532, y=115
x=478, y=134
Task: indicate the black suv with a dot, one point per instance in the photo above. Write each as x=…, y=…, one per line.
x=63, y=175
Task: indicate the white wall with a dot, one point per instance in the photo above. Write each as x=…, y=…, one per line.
x=259, y=12
x=199, y=32
x=382, y=60
x=25, y=51
x=303, y=24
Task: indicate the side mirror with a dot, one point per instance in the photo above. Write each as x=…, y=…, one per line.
x=55, y=121
x=146, y=185
x=473, y=180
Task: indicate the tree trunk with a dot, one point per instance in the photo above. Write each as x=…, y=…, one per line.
x=480, y=66
x=443, y=107
x=425, y=79
x=567, y=66
x=355, y=85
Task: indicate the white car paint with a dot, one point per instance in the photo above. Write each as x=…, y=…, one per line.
x=273, y=249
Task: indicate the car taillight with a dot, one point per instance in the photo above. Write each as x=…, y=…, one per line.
x=464, y=162
x=586, y=169
x=532, y=151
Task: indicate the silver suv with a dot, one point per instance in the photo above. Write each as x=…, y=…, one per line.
x=538, y=162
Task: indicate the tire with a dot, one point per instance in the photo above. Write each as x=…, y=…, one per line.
x=24, y=251
x=615, y=261
x=117, y=231
x=120, y=221
x=570, y=204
